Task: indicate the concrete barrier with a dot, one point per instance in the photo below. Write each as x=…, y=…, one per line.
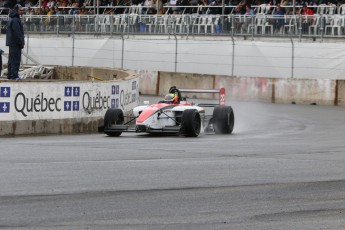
x=271, y=90
x=75, y=101
x=260, y=89
x=340, y=92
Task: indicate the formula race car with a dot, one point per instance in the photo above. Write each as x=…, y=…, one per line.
x=180, y=117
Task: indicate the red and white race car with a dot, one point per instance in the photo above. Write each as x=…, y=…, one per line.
x=183, y=118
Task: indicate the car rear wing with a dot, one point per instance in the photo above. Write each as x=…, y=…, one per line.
x=220, y=91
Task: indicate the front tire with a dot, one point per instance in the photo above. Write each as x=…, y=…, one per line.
x=113, y=117
x=223, y=120
x=190, y=123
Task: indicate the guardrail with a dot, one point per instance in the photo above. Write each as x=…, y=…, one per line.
x=316, y=26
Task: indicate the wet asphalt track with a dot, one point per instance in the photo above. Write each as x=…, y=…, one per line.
x=282, y=168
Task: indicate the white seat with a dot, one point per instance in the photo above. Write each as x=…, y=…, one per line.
x=216, y=23
x=206, y=23
x=164, y=23
x=123, y=22
x=336, y=25
x=116, y=23
x=331, y=9
x=262, y=24
x=132, y=22
x=321, y=9
x=314, y=28
x=291, y=26
x=93, y=23
x=179, y=24
x=194, y=22
x=83, y=22
x=139, y=9
x=263, y=9
x=341, y=9
x=104, y=23
x=199, y=20
x=133, y=9
x=245, y=23
x=151, y=23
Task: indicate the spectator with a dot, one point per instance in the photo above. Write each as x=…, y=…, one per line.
x=1, y=52
x=81, y=3
x=50, y=11
x=286, y=3
x=103, y=3
x=195, y=3
x=28, y=21
x=15, y=41
x=306, y=11
x=62, y=3
x=27, y=4
x=44, y=3
x=57, y=10
x=240, y=7
x=160, y=6
x=83, y=11
x=119, y=10
x=74, y=7
x=148, y=7
x=278, y=19
x=29, y=11
x=173, y=9
x=183, y=3
x=75, y=4
x=69, y=3
x=249, y=10
x=50, y=3
x=307, y=17
x=213, y=10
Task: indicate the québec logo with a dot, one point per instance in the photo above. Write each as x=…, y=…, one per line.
x=5, y=92
x=72, y=105
x=115, y=89
x=4, y=107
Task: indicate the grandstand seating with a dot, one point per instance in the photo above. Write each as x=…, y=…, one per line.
x=328, y=21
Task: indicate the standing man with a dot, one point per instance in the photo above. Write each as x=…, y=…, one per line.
x=15, y=41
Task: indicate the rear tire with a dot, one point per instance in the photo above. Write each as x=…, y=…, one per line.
x=113, y=117
x=223, y=120
x=190, y=123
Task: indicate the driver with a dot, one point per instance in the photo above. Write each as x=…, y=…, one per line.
x=171, y=98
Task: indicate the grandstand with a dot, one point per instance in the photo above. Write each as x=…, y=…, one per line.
x=215, y=18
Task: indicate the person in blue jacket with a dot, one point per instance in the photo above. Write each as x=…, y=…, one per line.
x=1, y=52
x=15, y=41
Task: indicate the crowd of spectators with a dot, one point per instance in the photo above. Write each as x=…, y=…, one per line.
x=51, y=7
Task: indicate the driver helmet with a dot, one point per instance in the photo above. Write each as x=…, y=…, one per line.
x=170, y=98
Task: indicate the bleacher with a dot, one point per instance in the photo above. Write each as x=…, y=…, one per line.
x=327, y=21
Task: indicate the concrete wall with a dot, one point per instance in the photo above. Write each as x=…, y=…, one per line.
x=30, y=109
x=248, y=89
x=61, y=126
x=91, y=73
x=341, y=93
x=272, y=90
x=305, y=91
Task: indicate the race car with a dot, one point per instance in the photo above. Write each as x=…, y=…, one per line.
x=181, y=118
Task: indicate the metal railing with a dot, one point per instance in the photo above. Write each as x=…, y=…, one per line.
x=316, y=26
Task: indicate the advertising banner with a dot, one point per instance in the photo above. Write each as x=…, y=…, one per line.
x=60, y=100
